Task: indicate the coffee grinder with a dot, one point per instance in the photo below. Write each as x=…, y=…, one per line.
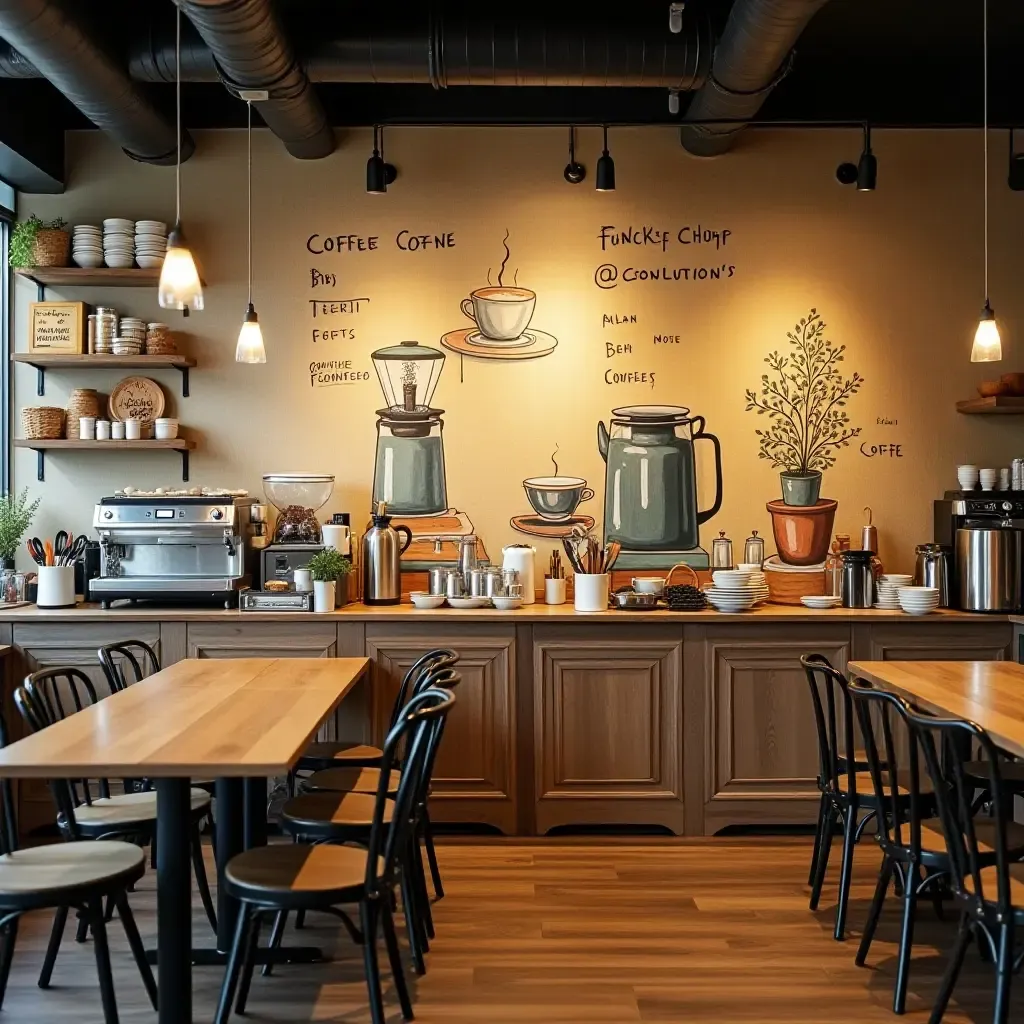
x=297, y=535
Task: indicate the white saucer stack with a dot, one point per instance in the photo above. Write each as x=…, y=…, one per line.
x=887, y=591
x=821, y=601
x=735, y=590
x=119, y=242
x=150, y=243
x=919, y=600
x=87, y=245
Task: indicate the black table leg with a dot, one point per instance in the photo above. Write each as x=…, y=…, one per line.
x=255, y=813
x=174, y=900
x=230, y=817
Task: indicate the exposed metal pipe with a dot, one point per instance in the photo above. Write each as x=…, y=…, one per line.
x=751, y=58
x=251, y=52
x=442, y=49
x=61, y=49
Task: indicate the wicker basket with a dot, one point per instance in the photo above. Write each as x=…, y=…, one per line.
x=52, y=248
x=42, y=422
x=81, y=402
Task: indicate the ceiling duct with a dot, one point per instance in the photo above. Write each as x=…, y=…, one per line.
x=249, y=50
x=50, y=40
x=751, y=58
x=447, y=48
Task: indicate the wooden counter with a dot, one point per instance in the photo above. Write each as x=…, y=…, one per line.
x=681, y=722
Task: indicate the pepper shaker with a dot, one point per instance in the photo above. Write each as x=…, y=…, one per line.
x=721, y=552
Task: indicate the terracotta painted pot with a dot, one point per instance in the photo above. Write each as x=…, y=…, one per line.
x=803, y=532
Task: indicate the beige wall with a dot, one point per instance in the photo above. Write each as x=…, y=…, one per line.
x=896, y=274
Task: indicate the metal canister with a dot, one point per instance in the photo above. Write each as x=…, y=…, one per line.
x=509, y=578
x=869, y=533
x=753, y=550
x=1017, y=475
x=453, y=584
x=494, y=585
x=478, y=582
x=721, y=552
x=438, y=577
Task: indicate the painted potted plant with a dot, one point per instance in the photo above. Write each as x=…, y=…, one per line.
x=805, y=397
x=16, y=514
x=39, y=243
x=327, y=568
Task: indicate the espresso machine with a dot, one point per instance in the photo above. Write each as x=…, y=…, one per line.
x=173, y=549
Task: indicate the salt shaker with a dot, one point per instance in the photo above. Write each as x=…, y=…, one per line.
x=721, y=552
x=753, y=550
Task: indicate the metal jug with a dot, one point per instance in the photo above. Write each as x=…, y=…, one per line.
x=932, y=569
x=650, y=500
x=382, y=553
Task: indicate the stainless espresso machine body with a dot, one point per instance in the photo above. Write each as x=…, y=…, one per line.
x=173, y=549
x=986, y=534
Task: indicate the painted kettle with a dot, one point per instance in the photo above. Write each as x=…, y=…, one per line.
x=650, y=493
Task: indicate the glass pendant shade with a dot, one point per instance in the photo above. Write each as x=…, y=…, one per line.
x=987, y=347
x=250, y=340
x=180, y=287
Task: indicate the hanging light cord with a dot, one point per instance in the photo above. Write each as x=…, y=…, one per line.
x=248, y=214
x=984, y=117
x=177, y=104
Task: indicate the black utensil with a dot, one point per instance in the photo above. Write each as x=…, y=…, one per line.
x=37, y=551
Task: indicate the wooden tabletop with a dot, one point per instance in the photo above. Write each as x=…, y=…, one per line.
x=231, y=717
x=990, y=693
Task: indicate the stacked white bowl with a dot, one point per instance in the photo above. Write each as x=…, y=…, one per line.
x=732, y=590
x=131, y=337
x=758, y=580
x=119, y=242
x=887, y=590
x=918, y=600
x=87, y=245
x=150, y=243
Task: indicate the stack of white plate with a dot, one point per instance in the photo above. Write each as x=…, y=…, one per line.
x=87, y=245
x=821, y=601
x=886, y=591
x=760, y=584
x=150, y=243
x=119, y=242
x=732, y=591
x=131, y=337
x=919, y=600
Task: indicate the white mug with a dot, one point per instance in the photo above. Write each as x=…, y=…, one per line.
x=103, y=430
x=303, y=580
x=967, y=476
x=133, y=430
x=554, y=590
x=591, y=591
x=117, y=430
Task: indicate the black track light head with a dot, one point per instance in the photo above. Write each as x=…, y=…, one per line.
x=846, y=173
x=574, y=171
x=379, y=173
x=605, y=168
x=867, y=166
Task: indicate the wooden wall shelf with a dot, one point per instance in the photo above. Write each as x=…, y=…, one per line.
x=91, y=277
x=42, y=446
x=1000, y=405
x=43, y=361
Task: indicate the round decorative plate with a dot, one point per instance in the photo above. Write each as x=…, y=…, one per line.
x=136, y=398
x=532, y=345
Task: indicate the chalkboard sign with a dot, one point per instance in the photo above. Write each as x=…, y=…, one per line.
x=57, y=327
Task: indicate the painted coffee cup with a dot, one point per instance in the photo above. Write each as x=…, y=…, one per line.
x=556, y=497
x=501, y=313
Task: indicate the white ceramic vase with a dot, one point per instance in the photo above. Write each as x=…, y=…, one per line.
x=323, y=595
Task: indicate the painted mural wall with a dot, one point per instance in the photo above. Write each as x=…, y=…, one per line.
x=646, y=361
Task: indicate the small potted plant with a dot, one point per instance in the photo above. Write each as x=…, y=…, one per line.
x=327, y=567
x=40, y=243
x=16, y=514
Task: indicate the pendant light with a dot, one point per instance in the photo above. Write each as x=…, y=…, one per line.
x=250, y=338
x=605, y=168
x=180, y=287
x=379, y=173
x=867, y=166
x=987, y=347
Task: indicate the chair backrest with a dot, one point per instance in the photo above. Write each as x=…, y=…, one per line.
x=417, y=726
x=127, y=662
x=884, y=721
x=833, y=720
x=8, y=819
x=439, y=658
x=948, y=744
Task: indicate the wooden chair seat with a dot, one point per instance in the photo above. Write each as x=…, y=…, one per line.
x=989, y=885
x=318, y=756
x=866, y=788
x=933, y=837
x=350, y=780
x=324, y=813
x=39, y=874
x=129, y=809
x=330, y=873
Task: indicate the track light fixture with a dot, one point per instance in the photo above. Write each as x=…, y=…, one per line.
x=574, y=172
x=867, y=166
x=605, y=168
x=379, y=173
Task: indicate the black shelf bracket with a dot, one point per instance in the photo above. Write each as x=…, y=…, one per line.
x=184, y=384
x=184, y=464
x=40, y=293
x=40, y=381
x=40, y=464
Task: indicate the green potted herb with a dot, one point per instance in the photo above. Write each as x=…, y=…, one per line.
x=329, y=569
x=16, y=513
x=39, y=243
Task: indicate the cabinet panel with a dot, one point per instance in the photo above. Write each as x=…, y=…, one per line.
x=262, y=640
x=475, y=772
x=607, y=728
x=935, y=640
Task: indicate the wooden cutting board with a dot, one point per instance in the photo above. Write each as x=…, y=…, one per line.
x=136, y=398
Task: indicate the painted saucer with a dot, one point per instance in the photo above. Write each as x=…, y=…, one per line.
x=538, y=526
x=540, y=344
x=481, y=340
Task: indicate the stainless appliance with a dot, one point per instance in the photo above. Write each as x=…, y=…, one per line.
x=276, y=601
x=987, y=574
x=408, y=474
x=382, y=551
x=858, y=587
x=931, y=569
x=183, y=548
x=650, y=499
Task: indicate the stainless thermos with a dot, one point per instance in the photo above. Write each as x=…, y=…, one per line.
x=382, y=552
x=858, y=579
x=932, y=570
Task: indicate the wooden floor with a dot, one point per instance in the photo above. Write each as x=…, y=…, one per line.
x=557, y=931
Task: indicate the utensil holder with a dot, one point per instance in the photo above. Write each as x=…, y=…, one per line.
x=56, y=586
x=323, y=596
x=554, y=590
x=591, y=591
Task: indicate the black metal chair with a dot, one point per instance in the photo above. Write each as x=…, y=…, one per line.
x=986, y=883
x=843, y=780
x=139, y=656
x=51, y=695
x=324, y=876
x=79, y=875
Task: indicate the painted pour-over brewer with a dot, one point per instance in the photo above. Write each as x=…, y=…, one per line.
x=651, y=506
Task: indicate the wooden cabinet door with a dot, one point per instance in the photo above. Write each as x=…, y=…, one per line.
x=475, y=772
x=284, y=639
x=608, y=726
x=760, y=742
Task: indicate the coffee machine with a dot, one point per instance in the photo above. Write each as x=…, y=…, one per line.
x=985, y=532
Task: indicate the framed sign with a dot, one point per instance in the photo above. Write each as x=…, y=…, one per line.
x=57, y=327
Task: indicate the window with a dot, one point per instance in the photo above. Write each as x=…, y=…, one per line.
x=6, y=315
